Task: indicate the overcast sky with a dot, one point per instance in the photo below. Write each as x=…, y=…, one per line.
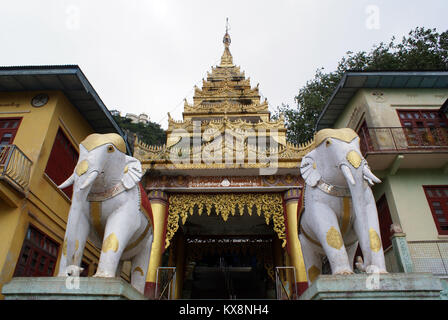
x=146, y=56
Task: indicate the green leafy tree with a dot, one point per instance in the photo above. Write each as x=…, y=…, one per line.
x=421, y=49
x=150, y=133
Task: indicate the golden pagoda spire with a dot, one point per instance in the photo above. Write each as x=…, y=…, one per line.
x=226, y=58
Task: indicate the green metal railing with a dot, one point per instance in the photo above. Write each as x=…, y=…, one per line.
x=15, y=166
x=403, y=139
x=430, y=256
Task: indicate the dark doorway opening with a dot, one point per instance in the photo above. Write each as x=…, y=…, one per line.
x=237, y=269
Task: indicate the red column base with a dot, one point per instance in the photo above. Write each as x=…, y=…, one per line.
x=301, y=287
x=150, y=288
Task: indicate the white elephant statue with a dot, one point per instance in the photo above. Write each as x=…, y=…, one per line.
x=340, y=209
x=110, y=207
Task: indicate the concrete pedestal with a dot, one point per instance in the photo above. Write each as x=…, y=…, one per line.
x=62, y=288
x=396, y=286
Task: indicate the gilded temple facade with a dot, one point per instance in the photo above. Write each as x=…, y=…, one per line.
x=225, y=192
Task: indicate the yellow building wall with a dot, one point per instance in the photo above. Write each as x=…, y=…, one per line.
x=44, y=206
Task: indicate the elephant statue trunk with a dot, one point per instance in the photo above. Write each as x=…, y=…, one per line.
x=359, y=179
x=340, y=209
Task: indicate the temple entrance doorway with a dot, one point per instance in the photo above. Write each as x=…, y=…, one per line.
x=230, y=268
x=235, y=260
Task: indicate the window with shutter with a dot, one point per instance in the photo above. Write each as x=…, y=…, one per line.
x=38, y=255
x=8, y=130
x=62, y=161
x=426, y=128
x=437, y=197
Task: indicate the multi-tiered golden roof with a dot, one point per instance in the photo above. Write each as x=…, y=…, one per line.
x=225, y=103
x=226, y=93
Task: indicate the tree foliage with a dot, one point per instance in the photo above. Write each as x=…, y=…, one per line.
x=421, y=49
x=150, y=133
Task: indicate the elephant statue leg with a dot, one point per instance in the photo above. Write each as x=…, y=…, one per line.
x=115, y=237
x=351, y=252
x=73, y=247
x=140, y=265
x=370, y=243
x=312, y=259
x=329, y=235
x=80, y=242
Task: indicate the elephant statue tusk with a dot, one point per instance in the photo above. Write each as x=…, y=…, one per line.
x=67, y=183
x=92, y=176
x=347, y=174
x=369, y=176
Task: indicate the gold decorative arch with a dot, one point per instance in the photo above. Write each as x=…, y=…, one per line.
x=226, y=204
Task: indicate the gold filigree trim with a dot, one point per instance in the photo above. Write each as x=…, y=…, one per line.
x=226, y=204
x=344, y=134
x=95, y=140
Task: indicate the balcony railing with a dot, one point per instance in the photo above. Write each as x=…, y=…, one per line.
x=15, y=166
x=403, y=139
x=430, y=256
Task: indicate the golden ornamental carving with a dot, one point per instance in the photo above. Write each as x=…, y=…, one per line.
x=171, y=227
x=224, y=123
x=226, y=92
x=225, y=205
x=225, y=107
x=220, y=106
x=228, y=72
x=242, y=155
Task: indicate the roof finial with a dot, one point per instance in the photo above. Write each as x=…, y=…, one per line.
x=226, y=40
x=226, y=59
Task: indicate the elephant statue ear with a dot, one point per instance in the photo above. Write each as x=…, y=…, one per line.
x=132, y=172
x=309, y=171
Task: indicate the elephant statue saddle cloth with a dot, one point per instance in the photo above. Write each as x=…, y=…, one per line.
x=145, y=205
